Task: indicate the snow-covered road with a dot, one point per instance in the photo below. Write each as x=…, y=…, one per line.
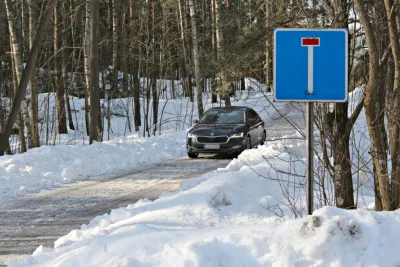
x=42, y=218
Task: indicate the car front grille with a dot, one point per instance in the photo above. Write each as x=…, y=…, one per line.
x=212, y=139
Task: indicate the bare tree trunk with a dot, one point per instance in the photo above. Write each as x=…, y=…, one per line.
x=2, y=117
x=135, y=65
x=114, y=47
x=155, y=96
x=341, y=129
x=196, y=58
x=185, y=68
x=34, y=114
x=225, y=87
x=20, y=122
x=68, y=27
x=125, y=68
x=114, y=88
x=2, y=126
x=17, y=64
x=95, y=115
x=268, y=45
x=146, y=70
x=375, y=118
x=67, y=100
x=378, y=199
x=394, y=113
x=146, y=112
x=214, y=97
x=59, y=85
x=21, y=133
x=16, y=104
x=24, y=104
x=86, y=50
x=155, y=68
x=213, y=29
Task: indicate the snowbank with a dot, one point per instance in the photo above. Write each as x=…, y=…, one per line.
x=49, y=166
x=229, y=217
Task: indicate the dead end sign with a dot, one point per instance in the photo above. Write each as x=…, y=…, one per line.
x=310, y=65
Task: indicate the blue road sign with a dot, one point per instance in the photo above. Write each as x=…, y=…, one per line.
x=310, y=65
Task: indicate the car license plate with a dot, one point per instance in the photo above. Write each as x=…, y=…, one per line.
x=211, y=146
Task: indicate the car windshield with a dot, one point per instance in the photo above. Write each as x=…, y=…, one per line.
x=223, y=117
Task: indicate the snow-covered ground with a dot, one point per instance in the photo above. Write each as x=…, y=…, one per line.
x=50, y=166
x=225, y=221
x=251, y=213
x=68, y=158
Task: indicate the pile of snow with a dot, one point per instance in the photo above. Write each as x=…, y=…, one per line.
x=331, y=237
x=234, y=216
x=49, y=166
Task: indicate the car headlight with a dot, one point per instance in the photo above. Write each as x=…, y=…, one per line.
x=236, y=135
x=191, y=135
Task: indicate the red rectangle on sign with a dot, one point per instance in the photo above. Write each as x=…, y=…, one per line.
x=310, y=41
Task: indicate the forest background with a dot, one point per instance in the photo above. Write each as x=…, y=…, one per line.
x=113, y=49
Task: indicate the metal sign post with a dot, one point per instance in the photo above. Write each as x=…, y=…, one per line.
x=310, y=157
x=310, y=65
x=310, y=43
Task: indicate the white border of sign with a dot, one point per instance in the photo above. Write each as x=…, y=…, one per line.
x=346, y=67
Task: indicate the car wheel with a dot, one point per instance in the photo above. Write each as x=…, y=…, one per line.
x=264, y=137
x=248, y=142
x=193, y=155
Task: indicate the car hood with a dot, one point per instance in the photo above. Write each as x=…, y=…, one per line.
x=217, y=129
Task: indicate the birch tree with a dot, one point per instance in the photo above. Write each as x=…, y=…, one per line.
x=196, y=59
x=224, y=86
x=16, y=55
x=86, y=51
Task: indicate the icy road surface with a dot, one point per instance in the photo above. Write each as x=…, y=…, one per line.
x=43, y=218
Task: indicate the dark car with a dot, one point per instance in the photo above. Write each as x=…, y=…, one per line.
x=226, y=130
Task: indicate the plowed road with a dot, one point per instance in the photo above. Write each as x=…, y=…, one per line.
x=43, y=218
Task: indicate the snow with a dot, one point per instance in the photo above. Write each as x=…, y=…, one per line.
x=251, y=213
x=229, y=217
x=67, y=158
x=49, y=166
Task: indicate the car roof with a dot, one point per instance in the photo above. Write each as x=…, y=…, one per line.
x=230, y=108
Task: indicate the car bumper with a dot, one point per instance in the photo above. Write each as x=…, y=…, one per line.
x=233, y=145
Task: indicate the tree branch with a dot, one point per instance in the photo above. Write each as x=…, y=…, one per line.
x=384, y=56
x=354, y=116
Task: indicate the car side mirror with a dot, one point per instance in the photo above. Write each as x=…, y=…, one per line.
x=195, y=121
